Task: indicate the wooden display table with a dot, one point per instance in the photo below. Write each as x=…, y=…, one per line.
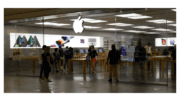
x=33, y=61
x=83, y=60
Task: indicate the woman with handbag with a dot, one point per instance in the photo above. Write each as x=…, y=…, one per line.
x=93, y=54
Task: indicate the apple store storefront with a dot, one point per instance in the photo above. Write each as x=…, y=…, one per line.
x=145, y=40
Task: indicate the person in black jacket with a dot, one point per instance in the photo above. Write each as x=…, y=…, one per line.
x=114, y=58
x=42, y=66
x=67, y=56
x=71, y=56
x=173, y=55
x=61, y=53
x=93, y=54
x=56, y=58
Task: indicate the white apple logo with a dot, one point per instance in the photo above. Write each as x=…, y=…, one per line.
x=77, y=25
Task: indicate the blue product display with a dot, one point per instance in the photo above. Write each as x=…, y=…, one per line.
x=86, y=50
x=100, y=50
x=172, y=42
x=81, y=51
x=123, y=51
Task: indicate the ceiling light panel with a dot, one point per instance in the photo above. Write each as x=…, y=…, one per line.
x=91, y=27
x=151, y=33
x=112, y=29
x=143, y=27
x=53, y=24
x=160, y=21
x=90, y=20
x=134, y=31
x=172, y=24
x=162, y=29
x=120, y=24
x=133, y=16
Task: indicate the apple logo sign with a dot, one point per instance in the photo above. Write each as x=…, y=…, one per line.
x=78, y=25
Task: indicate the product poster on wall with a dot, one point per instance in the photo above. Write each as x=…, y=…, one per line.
x=22, y=40
x=165, y=42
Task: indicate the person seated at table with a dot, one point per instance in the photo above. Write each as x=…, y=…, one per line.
x=56, y=58
x=93, y=54
x=173, y=55
x=46, y=63
x=114, y=58
x=42, y=66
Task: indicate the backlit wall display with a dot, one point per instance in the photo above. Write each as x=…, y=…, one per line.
x=24, y=40
x=160, y=42
x=73, y=41
x=28, y=40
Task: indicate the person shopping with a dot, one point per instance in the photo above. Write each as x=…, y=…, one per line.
x=93, y=54
x=46, y=63
x=56, y=58
x=42, y=66
x=114, y=58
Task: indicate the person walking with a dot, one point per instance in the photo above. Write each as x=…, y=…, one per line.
x=71, y=56
x=93, y=54
x=56, y=58
x=46, y=63
x=114, y=58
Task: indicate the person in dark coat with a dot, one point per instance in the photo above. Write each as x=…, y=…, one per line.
x=173, y=55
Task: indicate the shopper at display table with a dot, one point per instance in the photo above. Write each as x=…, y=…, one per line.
x=46, y=63
x=173, y=55
x=114, y=58
x=93, y=54
x=61, y=53
x=67, y=57
x=56, y=58
x=42, y=66
x=148, y=53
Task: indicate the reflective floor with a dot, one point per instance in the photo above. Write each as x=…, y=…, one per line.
x=133, y=79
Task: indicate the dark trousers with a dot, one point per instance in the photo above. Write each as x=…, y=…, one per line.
x=174, y=69
x=148, y=55
x=41, y=71
x=66, y=64
x=47, y=71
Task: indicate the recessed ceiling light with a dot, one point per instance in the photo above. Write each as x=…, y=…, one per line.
x=160, y=21
x=161, y=29
x=90, y=20
x=172, y=24
x=50, y=17
x=53, y=24
x=84, y=19
x=95, y=21
x=134, y=31
x=113, y=29
x=91, y=27
x=143, y=27
x=151, y=33
x=120, y=24
x=133, y=16
x=173, y=10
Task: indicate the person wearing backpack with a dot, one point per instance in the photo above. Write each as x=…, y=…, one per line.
x=114, y=58
x=56, y=58
x=46, y=60
x=67, y=57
